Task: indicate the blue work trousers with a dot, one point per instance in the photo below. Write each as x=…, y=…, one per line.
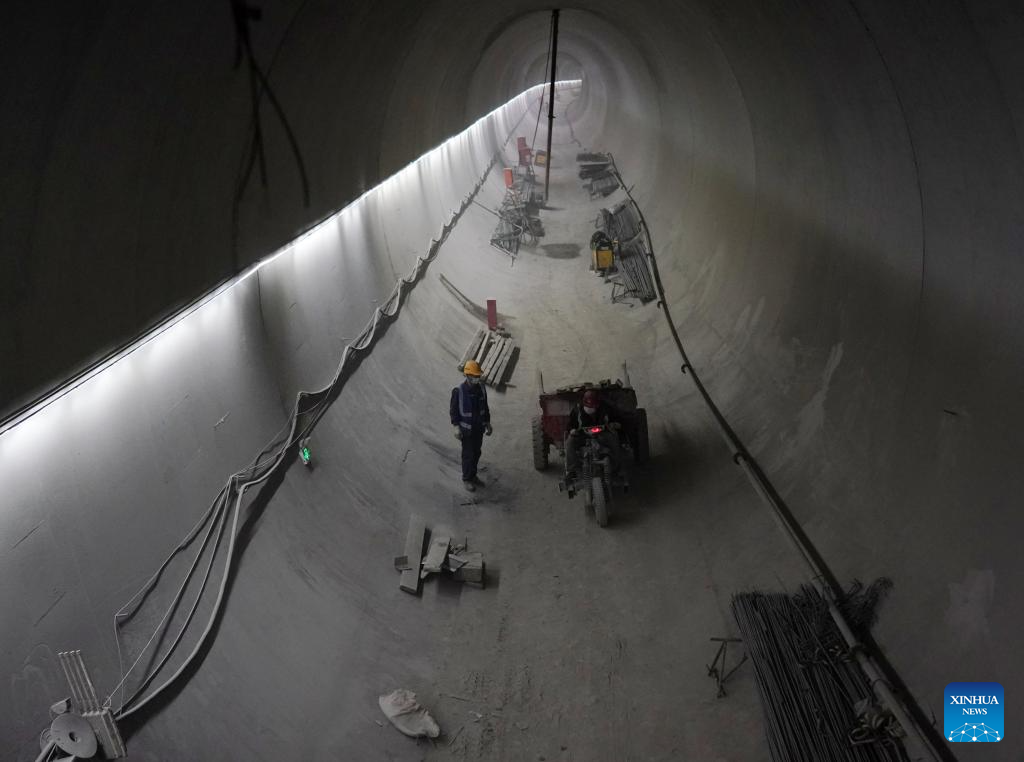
x=472, y=445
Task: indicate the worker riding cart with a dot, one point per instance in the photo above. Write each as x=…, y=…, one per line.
x=591, y=425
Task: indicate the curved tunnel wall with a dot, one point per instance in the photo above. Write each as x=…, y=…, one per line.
x=833, y=192
x=108, y=478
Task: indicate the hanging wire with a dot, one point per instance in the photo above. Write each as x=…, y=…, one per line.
x=547, y=69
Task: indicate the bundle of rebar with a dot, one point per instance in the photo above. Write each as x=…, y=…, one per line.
x=817, y=703
x=633, y=270
x=623, y=223
x=598, y=169
x=601, y=184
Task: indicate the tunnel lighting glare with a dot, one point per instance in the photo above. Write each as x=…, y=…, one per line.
x=400, y=176
x=160, y=331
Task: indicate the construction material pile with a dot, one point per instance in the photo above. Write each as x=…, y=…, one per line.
x=454, y=559
x=622, y=224
x=496, y=353
x=596, y=174
x=518, y=220
x=818, y=705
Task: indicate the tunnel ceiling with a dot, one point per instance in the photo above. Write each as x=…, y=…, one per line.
x=128, y=129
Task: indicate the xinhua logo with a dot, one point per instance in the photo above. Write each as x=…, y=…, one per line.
x=974, y=712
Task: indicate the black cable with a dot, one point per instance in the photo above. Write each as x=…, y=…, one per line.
x=547, y=65
x=188, y=619
x=259, y=84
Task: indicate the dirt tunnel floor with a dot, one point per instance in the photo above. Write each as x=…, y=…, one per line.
x=589, y=643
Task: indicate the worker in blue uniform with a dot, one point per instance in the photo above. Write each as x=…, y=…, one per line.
x=471, y=419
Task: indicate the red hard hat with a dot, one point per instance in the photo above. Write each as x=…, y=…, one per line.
x=591, y=398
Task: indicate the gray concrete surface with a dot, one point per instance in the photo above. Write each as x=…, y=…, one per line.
x=834, y=194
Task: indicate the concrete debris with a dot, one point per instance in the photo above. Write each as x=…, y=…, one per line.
x=470, y=567
x=441, y=556
x=405, y=713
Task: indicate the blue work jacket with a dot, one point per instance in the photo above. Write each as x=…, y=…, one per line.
x=468, y=406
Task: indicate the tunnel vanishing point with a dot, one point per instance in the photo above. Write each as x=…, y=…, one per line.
x=228, y=224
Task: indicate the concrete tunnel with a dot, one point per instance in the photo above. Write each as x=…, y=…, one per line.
x=833, y=192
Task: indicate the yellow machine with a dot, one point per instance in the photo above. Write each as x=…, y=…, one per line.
x=603, y=258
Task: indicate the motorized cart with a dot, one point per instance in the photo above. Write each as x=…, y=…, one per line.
x=594, y=478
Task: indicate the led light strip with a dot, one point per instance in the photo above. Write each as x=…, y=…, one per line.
x=76, y=382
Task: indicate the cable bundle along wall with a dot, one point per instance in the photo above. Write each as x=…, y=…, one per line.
x=308, y=409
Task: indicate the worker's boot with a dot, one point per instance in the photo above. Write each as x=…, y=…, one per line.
x=478, y=481
x=470, y=487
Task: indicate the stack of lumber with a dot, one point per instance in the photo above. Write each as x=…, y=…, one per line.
x=494, y=351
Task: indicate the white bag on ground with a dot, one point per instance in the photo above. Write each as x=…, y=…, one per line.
x=406, y=714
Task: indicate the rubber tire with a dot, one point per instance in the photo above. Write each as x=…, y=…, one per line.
x=642, y=453
x=597, y=487
x=540, y=447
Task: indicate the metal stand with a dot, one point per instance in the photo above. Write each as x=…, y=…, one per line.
x=718, y=672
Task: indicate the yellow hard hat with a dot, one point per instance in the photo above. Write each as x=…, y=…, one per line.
x=472, y=368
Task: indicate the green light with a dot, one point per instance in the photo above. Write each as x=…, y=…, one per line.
x=305, y=453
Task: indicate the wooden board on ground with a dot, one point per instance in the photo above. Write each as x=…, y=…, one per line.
x=498, y=372
x=485, y=347
x=499, y=375
x=474, y=345
x=436, y=555
x=414, y=540
x=491, y=367
x=494, y=355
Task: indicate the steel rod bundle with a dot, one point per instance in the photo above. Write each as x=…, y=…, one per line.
x=817, y=703
x=634, y=276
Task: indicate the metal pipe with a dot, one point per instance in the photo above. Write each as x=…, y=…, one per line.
x=47, y=752
x=551, y=101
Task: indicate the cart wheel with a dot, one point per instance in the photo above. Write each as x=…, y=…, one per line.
x=642, y=452
x=540, y=447
x=599, y=490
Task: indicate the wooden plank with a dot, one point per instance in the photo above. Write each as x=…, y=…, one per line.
x=493, y=355
x=484, y=347
x=414, y=540
x=498, y=360
x=502, y=361
x=499, y=375
x=436, y=555
x=474, y=345
x=492, y=371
